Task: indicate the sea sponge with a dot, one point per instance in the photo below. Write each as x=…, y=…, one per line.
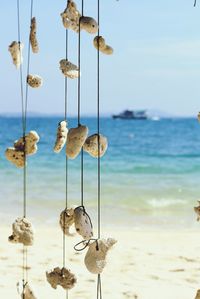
x=16, y=154
x=83, y=223
x=99, y=43
x=33, y=37
x=25, y=292
x=61, y=136
x=62, y=277
x=23, y=232
x=89, y=25
x=69, y=69
x=34, y=81
x=197, y=211
x=70, y=16
x=91, y=145
x=95, y=259
x=67, y=220
x=75, y=139
x=15, y=50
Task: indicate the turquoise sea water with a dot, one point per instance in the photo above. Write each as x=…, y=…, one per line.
x=150, y=174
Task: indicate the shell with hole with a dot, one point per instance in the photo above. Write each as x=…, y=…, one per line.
x=99, y=43
x=34, y=81
x=70, y=16
x=89, y=25
x=69, y=69
x=33, y=37
x=67, y=220
x=91, y=145
x=61, y=276
x=61, y=136
x=15, y=50
x=83, y=224
x=23, y=232
x=75, y=139
x=95, y=259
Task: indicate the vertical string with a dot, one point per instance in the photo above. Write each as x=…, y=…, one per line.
x=195, y=2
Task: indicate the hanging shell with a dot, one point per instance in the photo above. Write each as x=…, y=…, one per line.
x=15, y=50
x=75, y=139
x=62, y=277
x=197, y=211
x=23, y=232
x=69, y=69
x=67, y=220
x=89, y=25
x=95, y=259
x=91, y=145
x=33, y=36
x=99, y=43
x=70, y=16
x=61, y=136
x=198, y=295
x=34, y=81
x=26, y=292
x=83, y=223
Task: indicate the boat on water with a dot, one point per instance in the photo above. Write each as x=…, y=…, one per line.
x=131, y=114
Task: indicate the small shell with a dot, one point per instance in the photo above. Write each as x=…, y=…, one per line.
x=25, y=292
x=75, y=139
x=34, y=81
x=62, y=277
x=61, y=136
x=83, y=223
x=89, y=24
x=22, y=232
x=33, y=37
x=69, y=69
x=15, y=50
x=95, y=259
x=91, y=145
x=67, y=220
x=99, y=43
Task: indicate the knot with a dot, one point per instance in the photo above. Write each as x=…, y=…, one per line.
x=85, y=243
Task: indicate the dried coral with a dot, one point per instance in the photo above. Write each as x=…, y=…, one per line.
x=61, y=136
x=62, y=277
x=33, y=37
x=70, y=16
x=69, y=69
x=96, y=146
x=75, y=139
x=89, y=25
x=23, y=232
x=15, y=50
x=100, y=44
x=26, y=291
x=67, y=220
x=34, y=81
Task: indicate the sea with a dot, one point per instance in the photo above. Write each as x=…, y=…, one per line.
x=150, y=174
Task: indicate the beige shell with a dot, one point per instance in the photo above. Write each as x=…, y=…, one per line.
x=91, y=145
x=34, y=81
x=83, y=223
x=61, y=136
x=198, y=295
x=15, y=50
x=99, y=43
x=67, y=220
x=33, y=37
x=62, y=277
x=70, y=16
x=23, y=232
x=25, y=292
x=69, y=69
x=75, y=139
x=95, y=259
x=197, y=211
x=89, y=25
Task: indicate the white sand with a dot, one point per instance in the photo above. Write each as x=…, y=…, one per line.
x=143, y=265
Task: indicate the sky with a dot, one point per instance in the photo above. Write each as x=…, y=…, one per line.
x=155, y=65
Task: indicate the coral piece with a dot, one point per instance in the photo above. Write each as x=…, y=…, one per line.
x=197, y=211
x=99, y=43
x=70, y=16
x=83, y=223
x=89, y=25
x=16, y=154
x=34, y=81
x=61, y=136
x=22, y=232
x=75, y=139
x=62, y=277
x=25, y=292
x=33, y=37
x=91, y=145
x=198, y=116
x=15, y=50
x=198, y=295
x=69, y=69
x=67, y=220
x=95, y=259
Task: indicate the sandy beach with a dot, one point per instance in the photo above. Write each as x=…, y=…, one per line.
x=144, y=264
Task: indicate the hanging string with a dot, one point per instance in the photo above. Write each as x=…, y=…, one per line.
x=79, y=104
x=195, y=2
x=99, y=289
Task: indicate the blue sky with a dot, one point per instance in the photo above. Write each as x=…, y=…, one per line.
x=156, y=63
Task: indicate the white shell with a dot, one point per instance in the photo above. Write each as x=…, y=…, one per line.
x=83, y=223
x=95, y=259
